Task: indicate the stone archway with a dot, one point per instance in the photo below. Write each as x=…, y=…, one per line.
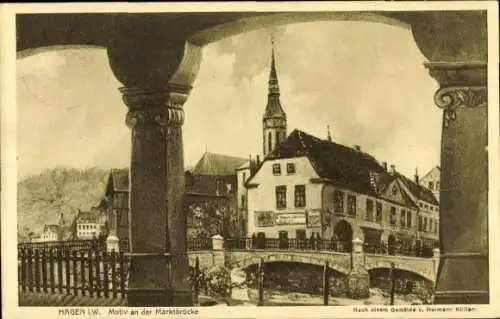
x=343, y=233
x=160, y=73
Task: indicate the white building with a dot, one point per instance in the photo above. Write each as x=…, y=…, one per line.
x=432, y=180
x=89, y=224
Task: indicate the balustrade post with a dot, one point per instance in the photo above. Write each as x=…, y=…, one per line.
x=112, y=243
x=358, y=280
x=218, y=251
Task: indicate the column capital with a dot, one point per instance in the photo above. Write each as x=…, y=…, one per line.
x=461, y=85
x=163, y=107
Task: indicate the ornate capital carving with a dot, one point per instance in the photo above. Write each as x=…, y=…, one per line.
x=162, y=108
x=462, y=85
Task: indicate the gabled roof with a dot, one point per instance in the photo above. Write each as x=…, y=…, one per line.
x=210, y=185
x=117, y=181
x=217, y=164
x=332, y=161
x=51, y=228
x=419, y=191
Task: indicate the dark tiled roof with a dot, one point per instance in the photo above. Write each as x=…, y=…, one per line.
x=419, y=191
x=332, y=161
x=217, y=164
x=87, y=217
x=210, y=185
x=117, y=181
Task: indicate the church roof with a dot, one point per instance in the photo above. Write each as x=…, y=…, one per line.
x=217, y=164
x=273, y=107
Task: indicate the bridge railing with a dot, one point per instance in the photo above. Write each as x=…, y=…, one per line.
x=66, y=245
x=398, y=250
x=287, y=244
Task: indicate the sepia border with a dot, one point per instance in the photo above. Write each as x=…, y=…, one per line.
x=10, y=307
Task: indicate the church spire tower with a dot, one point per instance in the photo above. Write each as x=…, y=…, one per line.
x=274, y=119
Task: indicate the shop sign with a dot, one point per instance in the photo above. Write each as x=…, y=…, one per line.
x=290, y=219
x=313, y=218
x=264, y=219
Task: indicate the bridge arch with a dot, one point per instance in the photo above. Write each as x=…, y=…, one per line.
x=382, y=264
x=284, y=257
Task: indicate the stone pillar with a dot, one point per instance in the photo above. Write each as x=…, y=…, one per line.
x=156, y=74
x=218, y=253
x=112, y=243
x=358, y=280
x=436, y=255
x=463, y=274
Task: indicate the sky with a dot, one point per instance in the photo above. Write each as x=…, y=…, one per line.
x=364, y=80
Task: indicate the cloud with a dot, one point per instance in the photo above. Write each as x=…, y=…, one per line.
x=365, y=80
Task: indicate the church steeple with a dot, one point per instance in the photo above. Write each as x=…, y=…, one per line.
x=274, y=119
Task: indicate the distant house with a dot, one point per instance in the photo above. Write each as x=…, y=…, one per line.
x=89, y=224
x=49, y=233
x=210, y=197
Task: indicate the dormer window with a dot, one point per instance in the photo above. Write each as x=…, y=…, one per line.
x=290, y=168
x=277, y=169
x=431, y=185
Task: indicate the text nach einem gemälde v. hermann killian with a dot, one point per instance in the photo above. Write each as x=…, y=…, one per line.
x=414, y=309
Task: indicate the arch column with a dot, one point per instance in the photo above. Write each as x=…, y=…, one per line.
x=463, y=268
x=157, y=76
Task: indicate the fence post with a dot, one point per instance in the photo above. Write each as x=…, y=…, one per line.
x=391, y=278
x=82, y=271
x=29, y=258
x=37, y=271
x=326, y=284
x=260, y=279
x=196, y=282
x=105, y=270
x=98, y=273
x=67, y=271
x=45, y=263
x=59, y=271
x=75, y=273
x=90, y=256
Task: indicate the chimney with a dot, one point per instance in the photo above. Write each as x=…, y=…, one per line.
x=384, y=164
x=416, y=176
x=329, y=136
x=393, y=169
x=357, y=148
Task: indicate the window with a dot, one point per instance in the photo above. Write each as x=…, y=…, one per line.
x=244, y=177
x=425, y=224
x=338, y=201
x=242, y=200
x=420, y=223
x=369, y=209
x=421, y=205
x=431, y=224
x=290, y=168
x=351, y=205
x=431, y=185
x=300, y=196
x=408, y=219
x=277, y=138
x=269, y=142
x=438, y=185
x=277, y=169
x=402, y=219
x=393, y=215
x=280, y=197
x=436, y=227
x=379, y=212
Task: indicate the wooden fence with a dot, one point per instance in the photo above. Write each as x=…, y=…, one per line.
x=81, y=273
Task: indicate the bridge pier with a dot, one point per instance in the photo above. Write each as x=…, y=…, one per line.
x=358, y=279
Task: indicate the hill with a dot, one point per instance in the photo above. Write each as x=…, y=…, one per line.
x=41, y=198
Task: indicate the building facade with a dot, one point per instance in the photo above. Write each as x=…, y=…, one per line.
x=310, y=187
x=432, y=180
x=89, y=225
x=49, y=233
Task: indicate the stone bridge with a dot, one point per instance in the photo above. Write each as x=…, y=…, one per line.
x=344, y=263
